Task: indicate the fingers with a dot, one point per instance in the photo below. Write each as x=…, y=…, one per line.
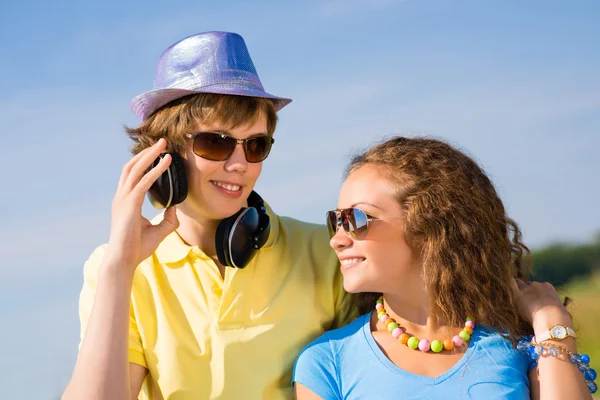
x=169, y=222
x=127, y=167
x=520, y=284
x=148, y=179
x=514, y=285
x=550, y=287
x=536, y=287
x=137, y=166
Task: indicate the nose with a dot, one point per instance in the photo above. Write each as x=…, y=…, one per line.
x=340, y=240
x=237, y=162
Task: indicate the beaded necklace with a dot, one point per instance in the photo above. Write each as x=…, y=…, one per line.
x=424, y=345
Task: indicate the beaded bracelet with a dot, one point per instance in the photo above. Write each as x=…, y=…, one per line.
x=535, y=350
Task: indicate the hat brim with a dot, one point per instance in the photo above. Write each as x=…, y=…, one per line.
x=147, y=103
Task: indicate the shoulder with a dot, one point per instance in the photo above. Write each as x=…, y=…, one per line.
x=91, y=265
x=309, y=229
x=491, y=344
x=306, y=240
x=314, y=237
x=333, y=342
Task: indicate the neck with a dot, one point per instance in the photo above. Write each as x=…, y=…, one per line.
x=413, y=312
x=198, y=231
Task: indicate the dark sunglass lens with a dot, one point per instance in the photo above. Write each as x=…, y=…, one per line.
x=332, y=222
x=358, y=222
x=213, y=146
x=258, y=148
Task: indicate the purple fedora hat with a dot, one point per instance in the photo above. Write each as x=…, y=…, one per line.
x=209, y=62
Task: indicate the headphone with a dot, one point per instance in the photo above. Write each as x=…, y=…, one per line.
x=238, y=238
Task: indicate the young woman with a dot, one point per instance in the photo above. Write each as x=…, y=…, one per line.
x=423, y=236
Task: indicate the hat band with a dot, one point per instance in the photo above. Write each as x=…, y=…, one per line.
x=228, y=77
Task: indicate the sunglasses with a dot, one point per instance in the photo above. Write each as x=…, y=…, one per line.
x=354, y=221
x=219, y=147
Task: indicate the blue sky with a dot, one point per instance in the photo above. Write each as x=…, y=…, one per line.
x=514, y=83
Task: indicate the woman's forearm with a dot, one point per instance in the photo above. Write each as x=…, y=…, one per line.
x=558, y=377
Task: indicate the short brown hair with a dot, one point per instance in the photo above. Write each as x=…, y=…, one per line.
x=180, y=117
x=455, y=220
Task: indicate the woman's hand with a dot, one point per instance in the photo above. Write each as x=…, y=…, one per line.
x=132, y=237
x=540, y=304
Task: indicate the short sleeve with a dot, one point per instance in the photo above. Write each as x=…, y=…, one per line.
x=316, y=370
x=86, y=302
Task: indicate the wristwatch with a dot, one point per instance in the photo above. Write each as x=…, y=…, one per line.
x=557, y=332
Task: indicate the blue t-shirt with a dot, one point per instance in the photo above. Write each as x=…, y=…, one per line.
x=346, y=363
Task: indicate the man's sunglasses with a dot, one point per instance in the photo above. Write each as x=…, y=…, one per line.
x=354, y=221
x=219, y=147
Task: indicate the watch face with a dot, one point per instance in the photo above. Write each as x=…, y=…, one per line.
x=559, y=332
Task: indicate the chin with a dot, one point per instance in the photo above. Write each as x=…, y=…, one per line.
x=355, y=282
x=211, y=209
x=352, y=286
x=226, y=210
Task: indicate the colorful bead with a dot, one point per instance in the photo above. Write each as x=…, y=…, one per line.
x=448, y=345
x=585, y=358
x=523, y=345
x=424, y=345
x=404, y=338
x=583, y=367
x=532, y=353
x=458, y=341
x=413, y=343
x=554, y=351
x=543, y=349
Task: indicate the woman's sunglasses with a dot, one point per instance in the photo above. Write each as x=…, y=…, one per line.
x=354, y=221
x=219, y=147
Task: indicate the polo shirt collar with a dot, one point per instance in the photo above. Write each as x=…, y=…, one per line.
x=173, y=249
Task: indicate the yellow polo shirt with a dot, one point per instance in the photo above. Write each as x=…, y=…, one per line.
x=205, y=337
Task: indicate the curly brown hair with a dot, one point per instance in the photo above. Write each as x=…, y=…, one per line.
x=179, y=117
x=455, y=219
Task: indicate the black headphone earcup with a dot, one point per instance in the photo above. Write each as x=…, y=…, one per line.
x=180, y=185
x=240, y=236
x=264, y=228
x=171, y=186
x=222, y=239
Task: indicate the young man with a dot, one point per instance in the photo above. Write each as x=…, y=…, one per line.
x=186, y=307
